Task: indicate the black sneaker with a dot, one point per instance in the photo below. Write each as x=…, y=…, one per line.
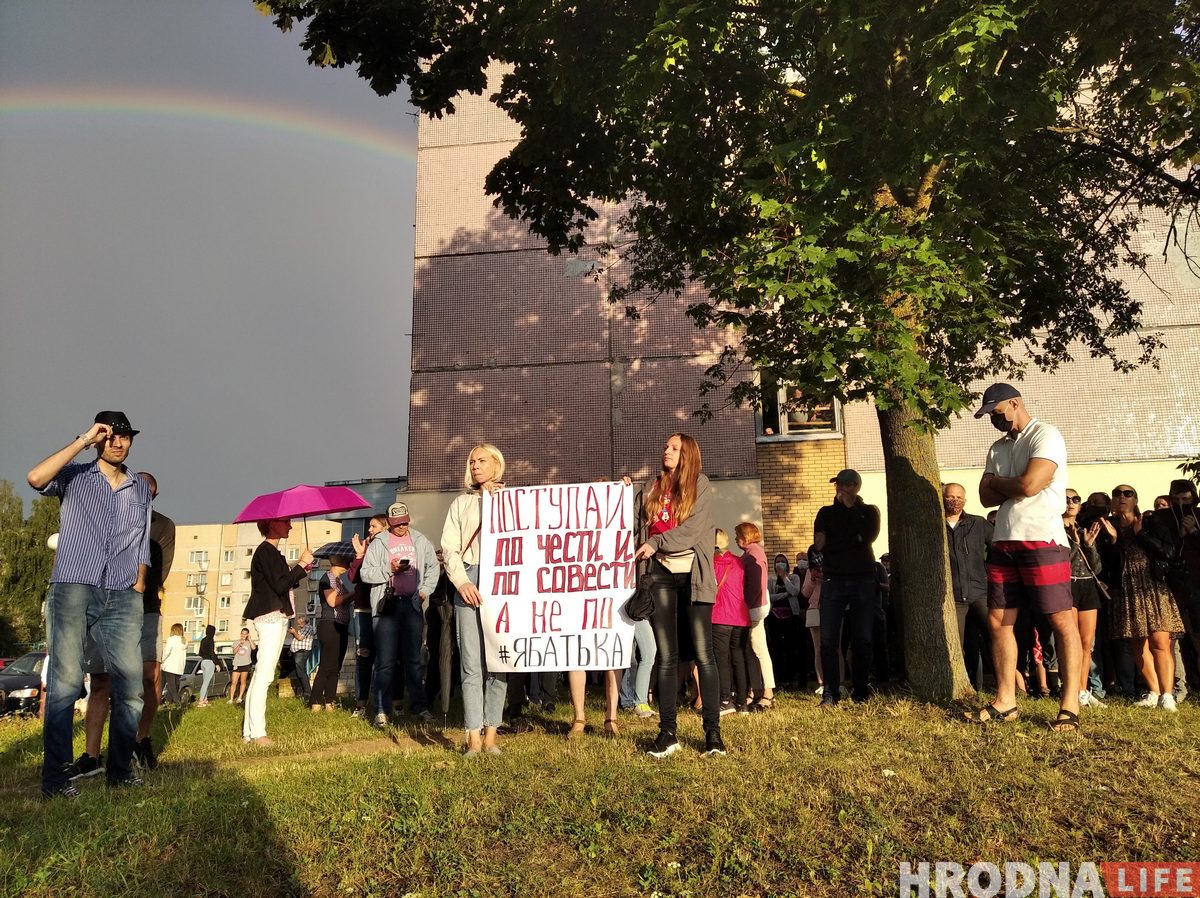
x=84, y=767
x=727, y=708
x=132, y=781
x=143, y=754
x=666, y=744
x=713, y=744
x=66, y=790
x=515, y=725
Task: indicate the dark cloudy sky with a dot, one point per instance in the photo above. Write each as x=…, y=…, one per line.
x=202, y=230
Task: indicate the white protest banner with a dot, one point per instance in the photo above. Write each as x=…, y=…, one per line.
x=555, y=570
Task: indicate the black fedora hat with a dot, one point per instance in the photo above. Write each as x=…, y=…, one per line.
x=118, y=422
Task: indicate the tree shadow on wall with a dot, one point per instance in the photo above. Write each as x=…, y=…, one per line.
x=514, y=346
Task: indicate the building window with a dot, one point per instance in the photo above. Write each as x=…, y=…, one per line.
x=198, y=556
x=228, y=556
x=193, y=603
x=293, y=554
x=226, y=578
x=224, y=602
x=222, y=626
x=787, y=412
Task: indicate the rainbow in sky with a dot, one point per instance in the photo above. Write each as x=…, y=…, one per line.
x=113, y=100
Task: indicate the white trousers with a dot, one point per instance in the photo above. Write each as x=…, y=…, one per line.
x=270, y=644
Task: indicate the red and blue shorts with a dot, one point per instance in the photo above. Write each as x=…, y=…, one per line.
x=1033, y=575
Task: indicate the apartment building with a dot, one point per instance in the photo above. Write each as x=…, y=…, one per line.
x=210, y=578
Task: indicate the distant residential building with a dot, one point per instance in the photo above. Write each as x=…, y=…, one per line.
x=210, y=577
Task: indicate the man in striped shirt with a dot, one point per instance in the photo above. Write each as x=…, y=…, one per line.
x=97, y=583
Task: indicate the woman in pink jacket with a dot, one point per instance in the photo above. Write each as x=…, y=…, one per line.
x=731, y=627
x=758, y=605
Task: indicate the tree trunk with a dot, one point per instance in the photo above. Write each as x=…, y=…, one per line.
x=920, y=560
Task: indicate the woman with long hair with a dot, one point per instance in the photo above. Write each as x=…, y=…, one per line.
x=758, y=603
x=270, y=607
x=1085, y=565
x=173, y=662
x=482, y=692
x=1143, y=609
x=677, y=509
x=243, y=658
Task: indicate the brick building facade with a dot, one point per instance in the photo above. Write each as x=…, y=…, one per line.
x=520, y=348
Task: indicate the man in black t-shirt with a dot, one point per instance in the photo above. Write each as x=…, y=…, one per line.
x=844, y=532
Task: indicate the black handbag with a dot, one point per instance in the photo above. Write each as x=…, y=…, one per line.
x=641, y=604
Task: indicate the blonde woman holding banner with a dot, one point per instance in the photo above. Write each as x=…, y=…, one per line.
x=483, y=692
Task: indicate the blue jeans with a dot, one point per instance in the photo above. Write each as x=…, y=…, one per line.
x=856, y=597
x=412, y=634
x=207, y=669
x=386, y=635
x=482, y=692
x=364, y=654
x=116, y=614
x=300, y=661
x=635, y=684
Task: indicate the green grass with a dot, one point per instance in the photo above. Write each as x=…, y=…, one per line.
x=805, y=804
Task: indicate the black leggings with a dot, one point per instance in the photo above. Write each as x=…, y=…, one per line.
x=333, y=637
x=732, y=644
x=682, y=630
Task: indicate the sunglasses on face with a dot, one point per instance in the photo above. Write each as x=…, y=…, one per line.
x=1124, y=494
x=1074, y=500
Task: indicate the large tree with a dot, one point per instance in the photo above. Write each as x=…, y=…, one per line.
x=25, y=563
x=885, y=199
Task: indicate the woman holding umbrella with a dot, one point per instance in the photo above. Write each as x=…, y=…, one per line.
x=483, y=692
x=270, y=606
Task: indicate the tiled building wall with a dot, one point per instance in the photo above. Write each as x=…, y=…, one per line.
x=795, y=478
x=1149, y=414
x=517, y=347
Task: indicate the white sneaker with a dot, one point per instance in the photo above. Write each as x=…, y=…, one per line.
x=1167, y=703
x=1085, y=698
x=820, y=691
x=1150, y=700
x=1095, y=702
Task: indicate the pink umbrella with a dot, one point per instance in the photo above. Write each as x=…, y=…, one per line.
x=301, y=501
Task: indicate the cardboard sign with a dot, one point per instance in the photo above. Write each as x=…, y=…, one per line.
x=556, y=568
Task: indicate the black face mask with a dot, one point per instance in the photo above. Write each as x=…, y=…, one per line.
x=1001, y=423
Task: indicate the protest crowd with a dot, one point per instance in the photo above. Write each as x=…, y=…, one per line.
x=1088, y=599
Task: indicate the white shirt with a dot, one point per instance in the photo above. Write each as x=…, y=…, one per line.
x=1035, y=518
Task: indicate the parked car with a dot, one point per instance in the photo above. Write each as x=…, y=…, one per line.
x=21, y=684
x=189, y=682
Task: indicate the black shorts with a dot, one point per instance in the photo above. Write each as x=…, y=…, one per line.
x=1084, y=594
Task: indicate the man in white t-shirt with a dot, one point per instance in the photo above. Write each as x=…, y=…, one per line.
x=1029, y=564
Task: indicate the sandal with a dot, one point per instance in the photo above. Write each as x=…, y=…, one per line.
x=991, y=714
x=577, y=729
x=1066, y=722
x=611, y=730
x=763, y=704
